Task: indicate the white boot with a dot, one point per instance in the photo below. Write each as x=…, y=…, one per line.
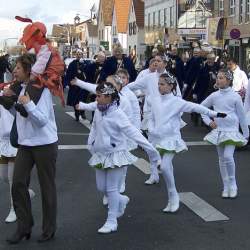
x=167, y=208
x=122, y=205
x=152, y=180
x=11, y=217
x=233, y=192
x=32, y=193
x=225, y=193
x=108, y=227
x=105, y=200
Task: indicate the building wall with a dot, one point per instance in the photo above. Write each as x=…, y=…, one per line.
x=242, y=52
x=157, y=17
x=136, y=40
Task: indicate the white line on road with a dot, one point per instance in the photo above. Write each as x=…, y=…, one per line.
x=86, y=123
x=69, y=133
x=143, y=165
x=70, y=147
x=202, y=208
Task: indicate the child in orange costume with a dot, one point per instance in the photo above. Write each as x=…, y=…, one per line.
x=46, y=71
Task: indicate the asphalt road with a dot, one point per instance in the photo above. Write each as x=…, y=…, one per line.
x=144, y=226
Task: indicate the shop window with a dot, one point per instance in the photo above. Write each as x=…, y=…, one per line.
x=165, y=17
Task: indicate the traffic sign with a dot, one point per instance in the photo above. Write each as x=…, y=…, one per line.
x=235, y=34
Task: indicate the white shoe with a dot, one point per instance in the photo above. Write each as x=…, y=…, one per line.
x=11, y=217
x=105, y=200
x=123, y=187
x=122, y=206
x=108, y=227
x=225, y=193
x=32, y=193
x=152, y=180
x=167, y=208
x=233, y=192
x=174, y=206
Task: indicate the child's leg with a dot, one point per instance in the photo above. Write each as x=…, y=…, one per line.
x=168, y=175
x=113, y=179
x=4, y=170
x=101, y=180
x=230, y=164
x=122, y=184
x=154, y=176
x=223, y=170
x=12, y=215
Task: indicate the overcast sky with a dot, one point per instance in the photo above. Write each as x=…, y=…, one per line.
x=47, y=11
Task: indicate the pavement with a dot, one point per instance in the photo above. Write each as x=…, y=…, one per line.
x=144, y=226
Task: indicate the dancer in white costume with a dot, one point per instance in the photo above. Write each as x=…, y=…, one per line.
x=149, y=85
x=225, y=134
x=108, y=145
x=164, y=128
x=7, y=159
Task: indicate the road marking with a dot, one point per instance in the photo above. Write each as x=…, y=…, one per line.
x=200, y=207
x=70, y=147
x=86, y=123
x=143, y=165
x=69, y=133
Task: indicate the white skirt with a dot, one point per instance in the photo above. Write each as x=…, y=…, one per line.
x=6, y=149
x=216, y=137
x=171, y=145
x=112, y=160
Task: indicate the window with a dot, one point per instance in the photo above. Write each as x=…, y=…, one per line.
x=102, y=35
x=221, y=7
x=241, y=11
x=129, y=29
x=247, y=19
x=159, y=18
x=165, y=17
x=232, y=8
x=134, y=28
x=171, y=16
x=153, y=19
x=149, y=21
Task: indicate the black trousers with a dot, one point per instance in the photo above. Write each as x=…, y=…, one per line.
x=44, y=158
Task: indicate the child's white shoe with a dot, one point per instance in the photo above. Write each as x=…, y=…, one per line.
x=174, y=206
x=152, y=180
x=105, y=200
x=167, y=208
x=122, y=206
x=233, y=192
x=11, y=217
x=225, y=193
x=32, y=193
x=108, y=227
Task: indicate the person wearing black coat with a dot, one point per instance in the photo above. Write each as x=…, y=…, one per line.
x=206, y=79
x=75, y=95
x=117, y=61
x=4, y=65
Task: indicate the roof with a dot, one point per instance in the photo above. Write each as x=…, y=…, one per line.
x=107, y=8
x=139, y=12
x=122, y=12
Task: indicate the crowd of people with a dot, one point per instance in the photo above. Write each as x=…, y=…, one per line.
x=123, y=103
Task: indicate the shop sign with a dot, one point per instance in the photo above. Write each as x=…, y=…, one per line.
x=191, y=31
x=234, y=43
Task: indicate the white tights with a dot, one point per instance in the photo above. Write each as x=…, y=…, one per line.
x=227, y=166
x=6, y=175
x=168, y=175
x=108, y=182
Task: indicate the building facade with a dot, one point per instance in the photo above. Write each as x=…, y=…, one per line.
x=237, y=29
x=135, y=30
x=105, y=23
